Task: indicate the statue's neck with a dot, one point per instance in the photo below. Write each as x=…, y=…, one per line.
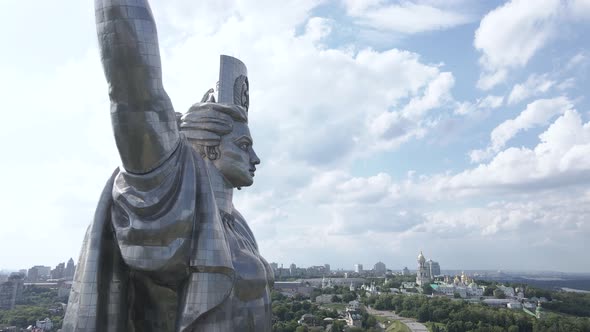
x=222, y=189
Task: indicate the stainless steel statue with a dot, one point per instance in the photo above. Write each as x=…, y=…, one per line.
x=167, y=250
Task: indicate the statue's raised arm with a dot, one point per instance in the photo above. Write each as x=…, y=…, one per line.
x=143, y=119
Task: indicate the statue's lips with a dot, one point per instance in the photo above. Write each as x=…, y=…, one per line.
x=252, y=170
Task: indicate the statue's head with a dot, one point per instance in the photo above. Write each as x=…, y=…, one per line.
x=220, y=133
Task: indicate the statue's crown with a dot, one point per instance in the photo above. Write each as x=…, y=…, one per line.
x=233, y=86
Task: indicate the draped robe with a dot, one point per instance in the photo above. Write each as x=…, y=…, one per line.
x=164, y=228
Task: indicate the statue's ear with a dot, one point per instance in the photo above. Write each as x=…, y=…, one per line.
x=213, y=152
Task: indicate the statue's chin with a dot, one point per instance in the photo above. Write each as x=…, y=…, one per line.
x=242, y=182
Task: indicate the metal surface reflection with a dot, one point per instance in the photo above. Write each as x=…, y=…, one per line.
x=167, y=250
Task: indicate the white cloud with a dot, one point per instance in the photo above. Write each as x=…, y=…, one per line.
x=479, y=107
x=560, y=214
x=437, y=92
x=510, y=35
x=464, y=108
x=491, y=79
x=544, y=207
x=338, y=189
x=406, y=17
x=580, y=9
x=490, y=101
x=390, y=129
x=537, y=113
x=578, y=60
x=317, y=28
x=533, y=86
x=560, y=159
x=566, y=84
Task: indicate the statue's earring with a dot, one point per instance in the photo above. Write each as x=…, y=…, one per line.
x=212, y=152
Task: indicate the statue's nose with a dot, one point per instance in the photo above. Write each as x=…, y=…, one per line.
x=254, y=157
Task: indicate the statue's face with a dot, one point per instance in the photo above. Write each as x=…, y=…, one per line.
x=237, y=162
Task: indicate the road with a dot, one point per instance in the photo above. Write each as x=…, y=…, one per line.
x=412, y=324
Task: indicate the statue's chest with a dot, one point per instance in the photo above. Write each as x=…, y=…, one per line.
x=250, y=268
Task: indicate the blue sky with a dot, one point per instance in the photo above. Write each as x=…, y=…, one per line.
x=459, y=128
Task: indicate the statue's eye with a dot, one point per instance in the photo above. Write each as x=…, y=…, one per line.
x=244, y=143
x=244, y=146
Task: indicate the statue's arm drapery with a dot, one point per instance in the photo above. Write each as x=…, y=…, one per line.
x=142, y=115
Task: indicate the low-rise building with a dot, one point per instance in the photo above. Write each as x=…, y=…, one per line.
x=45, y=324
x=498, y=303
x=465, y=291
x=508, y=291
x=292, y=288
x=514, y=305
x=324, y=298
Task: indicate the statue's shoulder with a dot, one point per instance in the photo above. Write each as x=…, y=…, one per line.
x=241, y=221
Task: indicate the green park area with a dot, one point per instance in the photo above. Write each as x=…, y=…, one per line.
x=37, y=303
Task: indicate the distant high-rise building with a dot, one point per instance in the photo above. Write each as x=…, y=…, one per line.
x=327, y=268
x=70, y=269
x=44, y=272
x=58, y=272
x=274, y=267
x=380, y=268
x=433, y=268
x=33, y=274
x=405, y=271
x=38, y=273
x=11, y=291
x=292, y=269
x=358, y=268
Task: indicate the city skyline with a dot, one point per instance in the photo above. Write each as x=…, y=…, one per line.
x=394, y=268
x=458, y=128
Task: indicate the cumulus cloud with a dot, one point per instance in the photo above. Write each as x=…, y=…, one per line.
x=537, y=113
x=579, y=61
x=393, y=128
x=406, y=17
x=541, y=198
x=548, y=219
x=533, y=86
x=490, y=101
x=560, y=159
x=510, y=35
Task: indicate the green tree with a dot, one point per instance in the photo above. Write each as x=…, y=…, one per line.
x=423, y=314
x=371, y=321
x=499, y=294
x=338, y=326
